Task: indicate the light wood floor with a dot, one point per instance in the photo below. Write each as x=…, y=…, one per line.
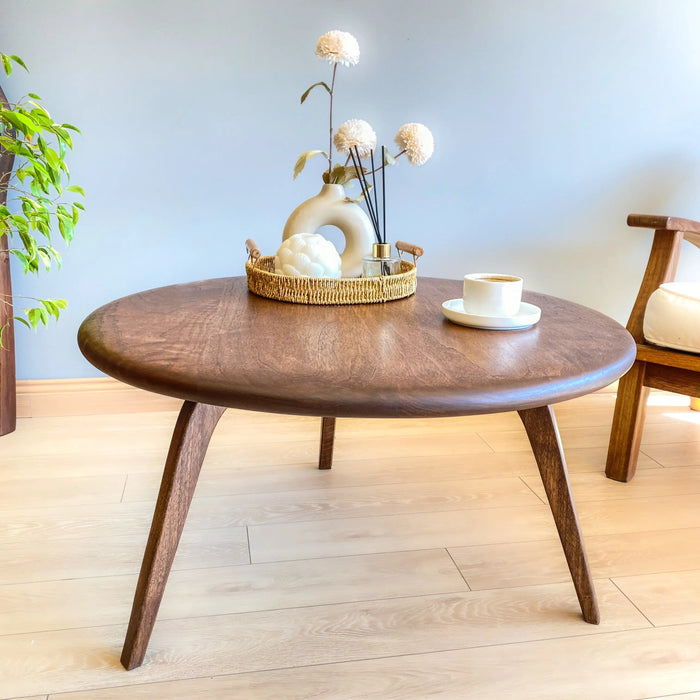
x=424, y=564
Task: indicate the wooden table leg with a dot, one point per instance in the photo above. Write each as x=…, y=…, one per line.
x=188, y=446
x=325, y=455
x=542, y=432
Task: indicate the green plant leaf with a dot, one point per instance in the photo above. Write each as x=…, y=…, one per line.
x=6, y=63
x=22, y=320
x=37, y=315
x=45, y=257
x=51, y=307
x=306, y=94
x=22, y=258
x=19, y=62
x=76, y=188
x=303, y=158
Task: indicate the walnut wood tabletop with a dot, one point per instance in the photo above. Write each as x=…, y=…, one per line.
x=215, y=345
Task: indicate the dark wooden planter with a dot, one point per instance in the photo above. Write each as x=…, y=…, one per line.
x=8, y=395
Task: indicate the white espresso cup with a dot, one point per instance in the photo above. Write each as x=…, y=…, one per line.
x=492, y=294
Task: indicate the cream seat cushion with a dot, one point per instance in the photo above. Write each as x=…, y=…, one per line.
x=672, y=316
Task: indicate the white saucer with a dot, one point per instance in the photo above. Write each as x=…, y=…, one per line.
x=527, y=316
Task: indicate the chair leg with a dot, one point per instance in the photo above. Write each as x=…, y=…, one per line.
x=628, y=424
x=325, y=455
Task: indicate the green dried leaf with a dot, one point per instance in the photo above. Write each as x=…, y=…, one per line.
x=306, y=94
x=342, y=174
x=301, y=161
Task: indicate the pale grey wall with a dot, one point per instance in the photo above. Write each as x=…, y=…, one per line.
x=552, y=119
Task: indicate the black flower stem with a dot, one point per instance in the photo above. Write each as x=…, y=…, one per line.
x=374, y=188
x=383, y=196
x=368, y=199
x=365, y=191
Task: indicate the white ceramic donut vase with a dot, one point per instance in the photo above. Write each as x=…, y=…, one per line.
x=330, y=208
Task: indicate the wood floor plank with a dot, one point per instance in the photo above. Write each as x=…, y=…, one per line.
x=358, y=501
x=63, y=491
x=87, y=658
x=87, y=557
x=648, y=483
x=106, y=600
x=533, y=563
x=612, y=666
x=665, y=432
x=573, y=437
x=398, y=533
x=666, y=599
x=682, y=454
x=616, y=516
x=464, y=528
x=222, y=474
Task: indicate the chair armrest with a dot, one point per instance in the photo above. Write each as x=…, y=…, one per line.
x=662, y=263
x=689, y=228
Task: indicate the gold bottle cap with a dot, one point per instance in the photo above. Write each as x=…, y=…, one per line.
x=381, y=250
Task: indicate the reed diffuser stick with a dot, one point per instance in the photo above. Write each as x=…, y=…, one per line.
x=359, y=170
x=383, y=194
x=382, y=239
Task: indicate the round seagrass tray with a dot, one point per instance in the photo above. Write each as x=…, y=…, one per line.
x=263, y=281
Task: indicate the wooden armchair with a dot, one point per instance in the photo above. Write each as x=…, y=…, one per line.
x=655, y=367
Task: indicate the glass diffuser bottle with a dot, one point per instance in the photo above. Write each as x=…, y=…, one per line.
x=381, y=262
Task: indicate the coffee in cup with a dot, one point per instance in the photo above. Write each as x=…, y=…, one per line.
x=492, y=294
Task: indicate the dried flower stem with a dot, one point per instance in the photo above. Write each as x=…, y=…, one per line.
x=330, y=139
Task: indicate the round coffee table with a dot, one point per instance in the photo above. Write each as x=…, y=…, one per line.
x=214, y=345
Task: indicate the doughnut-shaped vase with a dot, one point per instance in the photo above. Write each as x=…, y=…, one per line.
x=331, y=208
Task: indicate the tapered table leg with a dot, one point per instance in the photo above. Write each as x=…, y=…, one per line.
x=188, y=446
x=542, y=432
x=325, y=455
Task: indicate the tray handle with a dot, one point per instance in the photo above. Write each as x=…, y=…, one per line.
x=414, y=250
x=253, y=251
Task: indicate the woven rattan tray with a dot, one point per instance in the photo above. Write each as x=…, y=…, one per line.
x=263, y=281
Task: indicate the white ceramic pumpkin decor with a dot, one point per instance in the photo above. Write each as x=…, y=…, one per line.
x=307, y=255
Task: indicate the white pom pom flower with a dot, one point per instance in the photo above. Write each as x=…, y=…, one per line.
x=307, y=255
x=355, y=132
x=417, y=141
x=339, y=47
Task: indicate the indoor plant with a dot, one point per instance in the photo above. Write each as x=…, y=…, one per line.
x=33, y=183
